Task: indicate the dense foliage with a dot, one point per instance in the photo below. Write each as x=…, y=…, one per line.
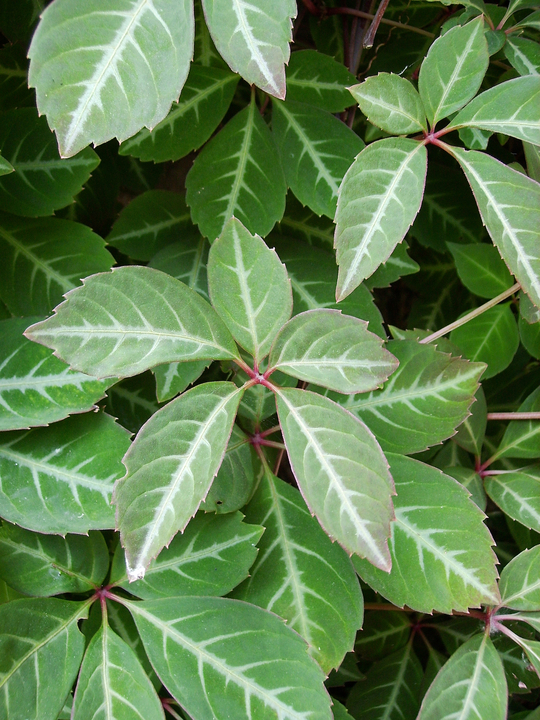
x=237, y=479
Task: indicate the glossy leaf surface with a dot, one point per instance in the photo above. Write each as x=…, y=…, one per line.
x=391, y=103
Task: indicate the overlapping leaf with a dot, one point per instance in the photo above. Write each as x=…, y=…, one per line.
x=60, y=479
x=382, y=634
x=124, y=322
x=378, y=200
x=520, y=581
x=521, y=437
x=300, y=575
x=92, y=64
x=440, y=548
x=186, y=260
x=253, y=38
x=391, y=102
x=333, y=350
x=173, y=378
x=341, y=471
x=47, y=257
x=317, y=79
x=523, y=55
x=170, y=466
x=518, y=494
x=481, y=269
x=217, y=644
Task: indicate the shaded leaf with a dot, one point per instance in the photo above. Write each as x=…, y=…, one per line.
x=301, y=222
x=481, y=269
x=317, y=79
x=392, y=103
x=520, y=439
x=520, y=581
x=471, y=481
x=398, y=264
x=132, y=401
x=186, y=260
x=382, y=633
x=471, y=432
x=14, y=91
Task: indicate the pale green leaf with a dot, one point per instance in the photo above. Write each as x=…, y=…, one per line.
x=249, y=288
x=149, y=223
x=481, y=269
x=518, y=494
x=5, y=167
x=422, y=403
x=510, y=108
x=474, y=138
x=333, y=350
x=59, y=479
x=113, y=684
x=509, y=203
x=316, y=151
x=211, y=557
x=317, y=79
x=521, y=437
x=237, y=174
x=523, y=55
x=35, y=387
x=42, y=182
x=470, y=686
x=382, y=633
x=301, y=575
x=41, y=649
x=173, y=378
x=392, y=103
x=253, y=38
x=441, y=550
x=41, y=565
x=92, y=63
x=520, y=581
x=453, y=70
x=339, y=712
x=205, y=99
x=170, y=467
x=341, y=471
x=217, y=643
x=47, y=257
x=186, y=260
x=126, y=321
x=378, y=201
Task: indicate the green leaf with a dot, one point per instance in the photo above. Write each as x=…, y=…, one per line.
x=319, y=80
x=471, y=432
x=509, y=203
x=249, y=288
x=112, y=683
x=211, y=557
x=523, y=55
x=133, y=401
x=339, y=712
x=378, y=201
x=42, y=182
x=253, y=39
x=59, y=479
x=441, y=550
x=392, y=103
x=398, y=264
x=453, y=70
x=520, y=674
x=470, y=685
x=391, y=688
x=382, y=634
x=301, y=575
x=259, y=402
x=186, y=261
x=491, y=338
x=35, y=387
x=316, y=151
x=41, y=649
x=237, y=174
x=14, y=91
x=41, y=565
x=474, y=138
x=518, y=494
x=205, y=99
x=529, y=334
x=531, y=647
x=510, y=108
x=520, y=581
x=5, y=167
x=216, y=643
x=333, y=350
x=341, y=471
x=481, y=269
x=424, y=401
x=520, y=439
x=126, y=321
x=170, y=466
x=149, y=223
x=47, y=257
x=532, y=20
x=92, y=64
x=300, y=222
x=173, y=378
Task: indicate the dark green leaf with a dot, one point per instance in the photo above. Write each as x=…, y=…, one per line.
x=481, y=269
x=14, y=92
x=529, y=334
x=186, y=261
x=132, y=401
x=471, y=432
x=520, y=439
x=317, y=79
x=382, y=634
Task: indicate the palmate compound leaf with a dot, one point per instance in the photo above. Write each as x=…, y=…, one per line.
x=41, y=649
x=249, y=288
x=242, y=661
x=92, y=63
x=211, y=557
x=253, y=38
x=170, y=466
x=520, y=581
x=112, y=682
x=517, y=494
x=301, y=575
x=441, y=550
x=59, y=479
x=422, y=403
x=510, y=108
x=333, y=350
x=35, y=387
x=470, y=685
x=341, y=471
x=509, y=203
x=128, y=320
x=378, y=200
